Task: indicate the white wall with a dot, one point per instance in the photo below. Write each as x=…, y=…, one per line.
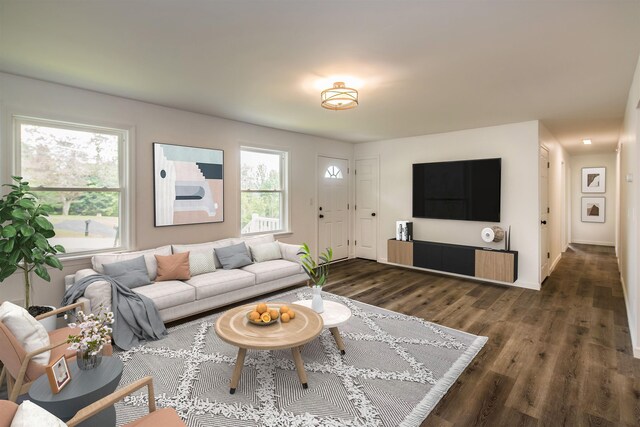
x=516, y=144
x=594, y=233
x=151, y=123
x=629, y=234
x=558, y=188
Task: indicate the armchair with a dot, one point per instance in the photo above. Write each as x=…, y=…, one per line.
x=19, y=367
x=165, y=417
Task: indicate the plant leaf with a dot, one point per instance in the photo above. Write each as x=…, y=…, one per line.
x=53, y=262
x=43, y=223
x=43, y=273
x=9, y=231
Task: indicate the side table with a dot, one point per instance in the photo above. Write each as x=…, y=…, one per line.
x=334, y=315
x=84, y=389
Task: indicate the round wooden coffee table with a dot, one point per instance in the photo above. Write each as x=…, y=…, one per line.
x=234, y=328
x=334, y=315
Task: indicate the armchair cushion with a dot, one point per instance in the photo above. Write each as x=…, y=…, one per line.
x=27, y=330
x=29, y=414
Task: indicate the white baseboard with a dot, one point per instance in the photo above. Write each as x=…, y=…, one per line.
x=517, y=284
x=632, y=326
x=554, y=264
x=593, y=242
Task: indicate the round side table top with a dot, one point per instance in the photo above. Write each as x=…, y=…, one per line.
x=234, y=328
x=334, y=314
x=82, y=382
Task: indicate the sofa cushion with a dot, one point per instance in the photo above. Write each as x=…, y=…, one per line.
x=220, y=282
x=173, y=267
x=199, y=247
x=201, y=262
x=234, y=256
x=149, y=259
x=273, y=270
x=27, y=331
x=258, y=240
x=131, y=273
x=266, y=252
x=168, y=294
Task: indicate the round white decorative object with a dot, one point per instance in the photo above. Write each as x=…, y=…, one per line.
x=488, y=234
x=334, y=314
x=492, y=234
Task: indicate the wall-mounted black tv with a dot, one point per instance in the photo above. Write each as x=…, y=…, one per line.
x=467, y=190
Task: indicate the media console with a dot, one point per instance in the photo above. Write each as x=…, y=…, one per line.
x=470, y=261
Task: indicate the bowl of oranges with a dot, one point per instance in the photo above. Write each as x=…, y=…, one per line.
x=262, y=315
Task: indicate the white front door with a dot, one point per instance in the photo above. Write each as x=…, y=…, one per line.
x=333, y=206
x=544, y=214
x=366, y=236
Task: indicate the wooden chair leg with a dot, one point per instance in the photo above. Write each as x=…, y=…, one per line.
x=10, y=386
x=2, y=374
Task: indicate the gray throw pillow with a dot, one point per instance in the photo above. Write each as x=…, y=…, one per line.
x=234, y=256
x=131, y=273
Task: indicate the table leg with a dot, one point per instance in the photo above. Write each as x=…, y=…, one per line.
x=336, y=336
x=297, y=358
x=235, y=378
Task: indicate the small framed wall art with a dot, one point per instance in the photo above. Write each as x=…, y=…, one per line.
x=593, y=209
x=593, y=180
x=188, y=185
x=58, y=374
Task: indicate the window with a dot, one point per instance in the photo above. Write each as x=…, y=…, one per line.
x=263, y=186
x=79, y=171
x=333, y=172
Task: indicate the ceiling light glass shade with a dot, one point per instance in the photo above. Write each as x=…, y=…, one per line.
x=339, y=97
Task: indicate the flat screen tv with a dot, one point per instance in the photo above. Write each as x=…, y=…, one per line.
x=467, y=190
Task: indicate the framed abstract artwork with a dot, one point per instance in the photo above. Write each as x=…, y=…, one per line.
x=593, y=209
x=593, y=180
x=188, y=185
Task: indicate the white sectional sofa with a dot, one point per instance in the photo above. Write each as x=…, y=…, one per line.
x=176, y=299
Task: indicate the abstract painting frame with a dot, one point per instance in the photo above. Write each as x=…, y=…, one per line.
x=593, y=209
x=188, y=185
x=594, y=180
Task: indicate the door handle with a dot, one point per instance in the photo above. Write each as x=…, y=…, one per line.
x=543, y=222
x=373, y=214
x=321, y=216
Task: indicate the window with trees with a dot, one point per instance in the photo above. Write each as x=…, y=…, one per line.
x=78, y=170
x=263, y=185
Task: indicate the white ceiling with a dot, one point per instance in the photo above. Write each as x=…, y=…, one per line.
x=421, y=66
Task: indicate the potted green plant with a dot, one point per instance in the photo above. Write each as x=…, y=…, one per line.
x=24, y=234
x=318, y=273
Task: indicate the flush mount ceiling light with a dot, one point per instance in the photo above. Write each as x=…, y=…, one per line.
x=586, y=141
x=339, y=97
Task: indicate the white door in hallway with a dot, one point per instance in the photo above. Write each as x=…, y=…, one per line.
x=544, y=214
x=366, y=208
x=333, y=206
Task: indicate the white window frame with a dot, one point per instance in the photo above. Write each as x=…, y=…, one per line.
x=285, y=202
x=124, y=175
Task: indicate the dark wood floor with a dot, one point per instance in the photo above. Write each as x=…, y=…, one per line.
x=560, y=356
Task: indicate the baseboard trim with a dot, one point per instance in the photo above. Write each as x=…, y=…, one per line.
x=516, y=284
x=632, y=328
x=554, y=264
x=593, y=242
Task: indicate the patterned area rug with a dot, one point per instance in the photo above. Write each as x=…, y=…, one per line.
x=395, y=370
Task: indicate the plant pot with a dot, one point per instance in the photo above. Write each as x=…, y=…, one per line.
x=50, y=322
x=316, y=301
x=87, y=361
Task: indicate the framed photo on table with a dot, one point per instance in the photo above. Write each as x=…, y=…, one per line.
x=58, y=374
x=593, y=209
x=594, y=180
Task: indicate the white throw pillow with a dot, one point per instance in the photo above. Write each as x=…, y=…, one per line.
x=201, y=262
x=27, y=330
x=29, y=414
x=266, y=252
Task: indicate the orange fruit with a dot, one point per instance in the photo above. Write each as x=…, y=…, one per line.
x=262, y=308
x=273, y=313
x=284, y=317
x=265, y=317
x=254, y=315
x=292, y=314
x=284, y=309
